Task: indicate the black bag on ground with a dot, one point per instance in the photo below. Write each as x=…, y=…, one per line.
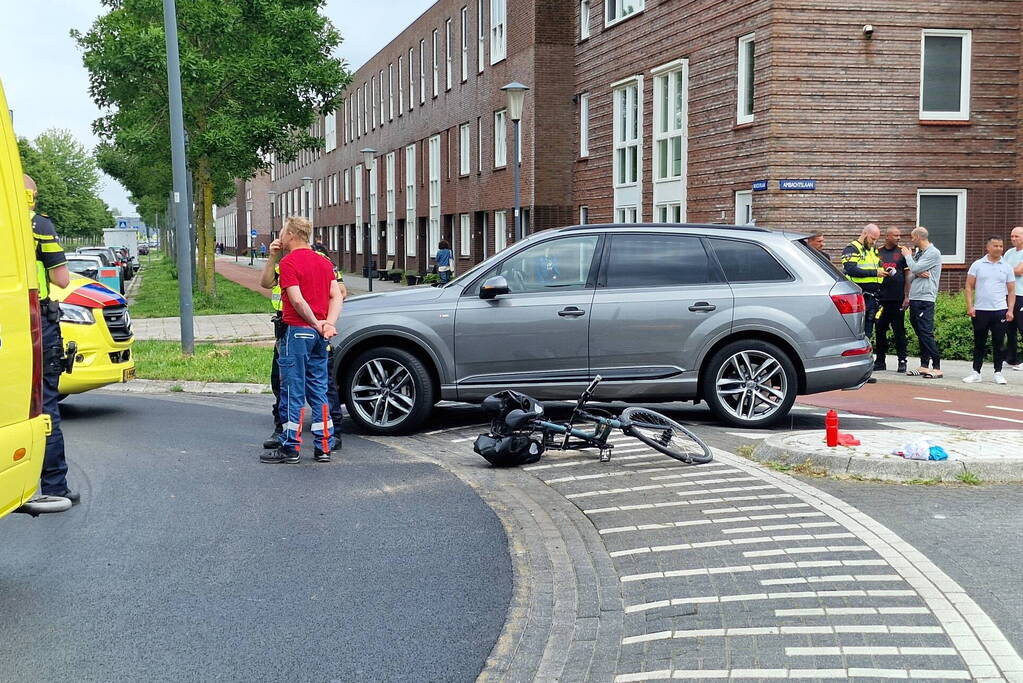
x=508, y=451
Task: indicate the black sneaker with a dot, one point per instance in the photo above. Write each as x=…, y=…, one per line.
x=74, y=496
x=280, y=455
x=879, y=366
x=274, y=441
x=902, y=367
x=321, y=456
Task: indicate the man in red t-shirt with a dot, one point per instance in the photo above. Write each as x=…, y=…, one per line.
x=311, y=305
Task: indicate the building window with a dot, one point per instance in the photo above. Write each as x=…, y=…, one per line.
x=411, y=78
x=410, y=200
x=389, y=171
x=626, y=214
x=463, y=149
x=744, y=207
x=447, y=55
x=433, y=234
x=373, y=101
x=498, y=39
x=479, y=144
x=620, y=10
x=500, y=139
x=401, y=87
x=436, y=62
x=669, y=118
x=319, y=193
x=945, y=75
x=382, y=100
x=500, y=230
x=943, y=213
x=358, y=209
x=348, y=121
x=668, y=212
x=465, y=44
x=374, y=183
x=390, y=89
x=348, y=184
x=365, y=108
x=584, y=19
x=330, y=131
x=481, y=37
x=627, y=133
x=584, y=215
x=464, y=235
x=744, y=90
x=422, y=72
x=584, y=125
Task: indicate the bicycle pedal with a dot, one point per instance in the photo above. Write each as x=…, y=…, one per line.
x=605, y=456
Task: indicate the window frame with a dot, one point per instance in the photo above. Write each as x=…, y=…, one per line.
x=464, y=235
x=502, y=243
x=744, y=194
x=390, y=231
x=481, y=38
x=959, y=257
x=610, y=20
x=422, y=72
x=382, y=100
x=709, y=246
x=448, y=69
x=745, y=91
x=373, y=101
x=498, y=31
x=348, y=181
x=464, y=150
x=479, y=144
x=584, y=125
x=330, y=131
x=713, y=267
x=390, y=92
x=464, y=56
x=410, y=200
x=501, y=142
x=965, y=74
x=621, y=141
x=584, y=214
x=436, y=59
x=401, y=88
x=584, y=19
x=411, y=78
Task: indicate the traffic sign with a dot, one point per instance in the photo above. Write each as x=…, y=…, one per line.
x=252, y=233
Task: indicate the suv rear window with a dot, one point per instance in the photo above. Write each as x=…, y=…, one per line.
x=748, y=262
x=658, y=261
x=822, y=259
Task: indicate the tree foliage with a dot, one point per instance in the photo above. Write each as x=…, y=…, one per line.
x=255, y=74
x=68, y=181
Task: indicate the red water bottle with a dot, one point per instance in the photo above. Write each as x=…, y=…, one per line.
x=831, y=428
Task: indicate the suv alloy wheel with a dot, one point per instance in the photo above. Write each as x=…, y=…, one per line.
x=750, y=383
x=387, y=391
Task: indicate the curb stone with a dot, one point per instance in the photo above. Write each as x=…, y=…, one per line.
x=163, y=386
x=842, y=461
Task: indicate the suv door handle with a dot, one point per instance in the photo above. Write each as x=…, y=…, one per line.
x=702, y=306
x=571, y=312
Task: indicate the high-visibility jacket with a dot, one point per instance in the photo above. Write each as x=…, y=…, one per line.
x=49, y=253
x=861, y=265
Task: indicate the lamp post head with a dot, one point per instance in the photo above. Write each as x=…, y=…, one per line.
x=272, y=195
x=248, y=205
x=516, y=93
x=368, y=155
x=307, y=184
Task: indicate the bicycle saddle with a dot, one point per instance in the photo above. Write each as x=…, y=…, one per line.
x=519, y=417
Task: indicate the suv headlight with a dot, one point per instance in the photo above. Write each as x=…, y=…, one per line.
x=80, y=315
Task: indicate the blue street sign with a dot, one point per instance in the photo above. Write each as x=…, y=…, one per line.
x=759, y=185
x=252, y=233
x=122, y=224
x=805, y=185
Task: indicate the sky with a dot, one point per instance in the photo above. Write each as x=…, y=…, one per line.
x=47, y=86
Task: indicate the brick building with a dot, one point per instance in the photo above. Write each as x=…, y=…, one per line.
x=796, y=115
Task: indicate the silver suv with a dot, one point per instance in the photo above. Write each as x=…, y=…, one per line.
x=743, y=318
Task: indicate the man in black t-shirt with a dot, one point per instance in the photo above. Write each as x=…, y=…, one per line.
x=893, y=294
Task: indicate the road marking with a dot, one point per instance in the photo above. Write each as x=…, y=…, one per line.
x=678, y=503
x=932, y=400
x=735, y=674
x=988, y=417
x=835, y=629
x=808, y=551
x=841, y=611
x=869, y=651
x=1015, y=410
x=592, y=460
x=779, y=527
x=833, y=578
x=788, y=595
x=695, y=546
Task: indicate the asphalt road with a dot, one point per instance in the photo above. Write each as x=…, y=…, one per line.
x=189, y=560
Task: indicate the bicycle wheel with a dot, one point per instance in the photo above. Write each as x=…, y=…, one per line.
x=665, y=435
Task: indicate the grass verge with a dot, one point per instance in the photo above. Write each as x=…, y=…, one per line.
x=211, y=362
x=158, y=295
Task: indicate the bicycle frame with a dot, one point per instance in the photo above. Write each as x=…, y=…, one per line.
x=595, y=438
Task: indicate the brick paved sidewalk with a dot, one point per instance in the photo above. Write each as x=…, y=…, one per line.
x=208, y=328
x=248, y=276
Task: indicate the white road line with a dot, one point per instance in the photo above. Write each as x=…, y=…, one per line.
x=988, y=417
x=753, y=508
x=809, y=550
x=788, y=595
x=632, y=489
x=870, y=651
x=701, y=501
x=592, y=461
x=693, y=546
x=835, y=629
x=932, y=400
x=842, y=611
x=833, y=578
x=1015, y=410
x=779, y=527
x=737, y=674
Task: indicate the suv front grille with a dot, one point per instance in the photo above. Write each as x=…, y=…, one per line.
x=118, y=322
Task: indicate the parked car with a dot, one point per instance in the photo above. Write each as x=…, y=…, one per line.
x=96, y=318
x=143, y=248
x=112, y=258
x=92, y=266
x=743, y=318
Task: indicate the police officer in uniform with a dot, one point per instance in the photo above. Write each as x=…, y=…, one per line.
x=51, y=268
x=862, y=265
x=271, y=280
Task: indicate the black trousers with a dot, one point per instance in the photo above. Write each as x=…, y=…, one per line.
x=1012, y=350
x=894, y=318
x=921, y=317
x=53, y=481
x=984, y=322
x=873, y=306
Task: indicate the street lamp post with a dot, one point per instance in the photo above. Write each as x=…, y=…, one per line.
x=248, y=225
x=516, y=93
x=368, y=159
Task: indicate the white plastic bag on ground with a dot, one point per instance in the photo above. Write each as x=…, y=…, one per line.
x=918, y=450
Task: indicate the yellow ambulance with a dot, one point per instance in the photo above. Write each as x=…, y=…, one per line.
x=23, y=426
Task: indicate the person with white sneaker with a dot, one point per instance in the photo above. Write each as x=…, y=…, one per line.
x=1014, y=257
x=994, y=284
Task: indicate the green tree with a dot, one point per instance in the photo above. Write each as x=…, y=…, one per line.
x=69, y=182
x=255, y=75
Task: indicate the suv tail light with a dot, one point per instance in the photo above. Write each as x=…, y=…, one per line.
x=849, y=303
x=35, y=405
x=863, y=351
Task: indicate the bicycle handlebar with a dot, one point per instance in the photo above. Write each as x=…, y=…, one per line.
x=588, y=391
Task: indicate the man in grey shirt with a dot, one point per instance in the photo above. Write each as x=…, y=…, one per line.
x=925, y=277
x=994, y=283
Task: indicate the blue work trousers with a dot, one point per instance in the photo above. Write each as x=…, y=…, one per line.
x=302, y=358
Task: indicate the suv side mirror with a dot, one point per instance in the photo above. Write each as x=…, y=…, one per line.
x=494, y=286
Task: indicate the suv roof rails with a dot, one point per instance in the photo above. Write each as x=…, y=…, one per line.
x=711, y=226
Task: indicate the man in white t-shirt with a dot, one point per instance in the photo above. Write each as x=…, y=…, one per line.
x=994, y=284
x=1014, y=257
